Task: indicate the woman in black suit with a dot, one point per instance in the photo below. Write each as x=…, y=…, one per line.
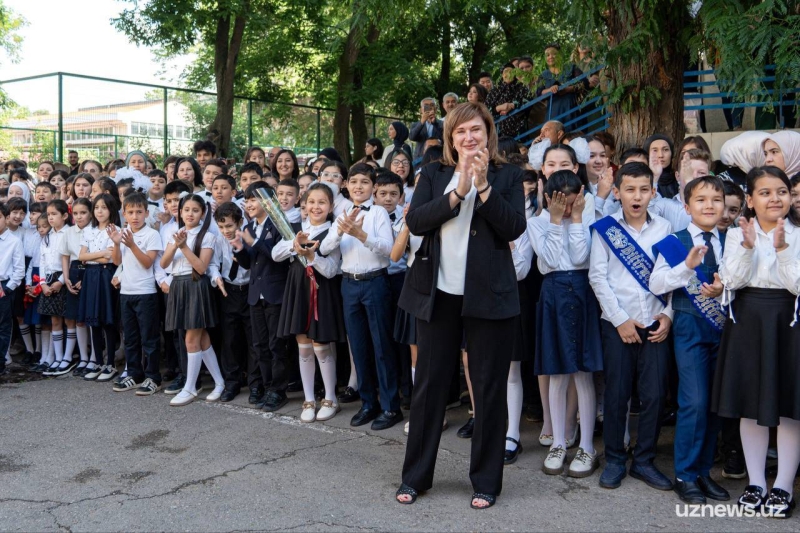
x=462, y=285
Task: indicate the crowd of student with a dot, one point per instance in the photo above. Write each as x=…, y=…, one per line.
x=624, y=272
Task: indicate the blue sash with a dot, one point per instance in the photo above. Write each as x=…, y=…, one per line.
x=627, y=251
x=675, y=253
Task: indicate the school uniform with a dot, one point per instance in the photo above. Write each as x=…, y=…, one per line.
x=397, y=277
x=366, y=296
x=32, y=279
x=154, y=207
x=314, y=312
x=567, y=314
x=622, y=297
x=98, y=300
x=265, y=295
x=671, y=209
x=139, y=305
x=190, y=304
x=523, y=255
x=172, y=359
x=757, y=368
x=12, y=272
x=341, y=205
x=50, y=268
x=22, y=233
x=71, y=247
x=238, y=356
x=405, y=324
x=696, y=341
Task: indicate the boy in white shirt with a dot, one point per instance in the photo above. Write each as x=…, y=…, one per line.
x=12, y=271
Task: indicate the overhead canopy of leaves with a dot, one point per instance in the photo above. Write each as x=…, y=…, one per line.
x=11, y=25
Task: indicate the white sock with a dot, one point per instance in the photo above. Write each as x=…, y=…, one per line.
x=72, y=338
x=755, y=441
x=210, y=359
x=38, y=334
x=558, y=408
x=193, y=362
x=82, y=333
x=57, y=346
x=45, y=347
x=307, y=369
x=584, y=385
x=8, y=357
x=25, y=333
x=572, y=409
x=788, y=453
x=327, y=367
x=413, y=374
x=544, y=394
x=514, y=401
x=353, y=381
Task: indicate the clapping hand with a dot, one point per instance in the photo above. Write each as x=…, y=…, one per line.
x=695, y=256
x=352, y=225
x=179, y=237
x=605, y=183
x=714, y=289
x=479, y=168
x=577, y=207
x=748, y=228
x=656, y=167
x=779, y=236
x=114, y=233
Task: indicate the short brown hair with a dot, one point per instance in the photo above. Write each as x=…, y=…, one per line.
x=696, y=154
x=462, y=113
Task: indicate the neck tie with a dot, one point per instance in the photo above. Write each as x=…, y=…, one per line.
x=710, y=259
x=392, y=216
x=234, y=270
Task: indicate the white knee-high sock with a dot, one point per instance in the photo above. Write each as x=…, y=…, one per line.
x=72, y=338
x=558, y=408
x=193, y=362
x=307, y=369
x=57, y=346
x=45, y=347
x=37, y=329
x=82, y=334
x=25, y=333
x=514, y=401
x=572, y=410
x=327, y=367
x=584, y=385
x=788, y=453
x=755, y=441
x=210, y=359
x=353, y=381
x=544, y=394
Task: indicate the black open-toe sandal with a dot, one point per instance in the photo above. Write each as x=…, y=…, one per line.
x=488, y=498
x=405, y=490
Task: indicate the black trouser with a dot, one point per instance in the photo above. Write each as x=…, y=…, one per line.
x=171, y=362
x=269, y=350
x=111, y=333
x=237, y=337
x=489, y=345
x=403, y=351
x=621, y=364
x=140, y=324
x=6, y=322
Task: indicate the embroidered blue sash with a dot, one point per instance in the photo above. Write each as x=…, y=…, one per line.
x=627, y=251
x=709, y=308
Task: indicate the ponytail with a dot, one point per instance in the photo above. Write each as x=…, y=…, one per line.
x=198, y=242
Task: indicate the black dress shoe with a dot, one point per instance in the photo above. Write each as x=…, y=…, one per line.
x=256, y=395
x=651, y=475
x=386, y=420
x=511, y=455
x=467, y=429
x=273, y=400
x=228, y=395
x=349, y=395
x=689, y=492
x=669, y=418
x=294, y=386
x=364, y=416
x=169, y=375
x=712, y=489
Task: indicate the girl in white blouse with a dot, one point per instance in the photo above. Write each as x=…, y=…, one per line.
x=190, y=307
x=73, y=273
x=53, y=300
x=758, y=369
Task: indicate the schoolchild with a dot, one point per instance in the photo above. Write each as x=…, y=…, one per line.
x=12, y=272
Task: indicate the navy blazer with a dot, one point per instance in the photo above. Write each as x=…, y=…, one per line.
x=419, y=134
x=267, y=277
x=491, y=282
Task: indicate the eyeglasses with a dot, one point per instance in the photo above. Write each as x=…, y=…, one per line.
x=334, y=175
x=401, y=163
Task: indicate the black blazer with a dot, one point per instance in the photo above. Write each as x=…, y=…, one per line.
x=419, y=134
x=267, y=277
x=490, y=290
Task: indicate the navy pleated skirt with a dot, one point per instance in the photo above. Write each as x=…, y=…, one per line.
x=73, y=300
x=567, y=325
x=97, y=302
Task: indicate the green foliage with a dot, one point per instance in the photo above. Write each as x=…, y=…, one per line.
x=11, y=26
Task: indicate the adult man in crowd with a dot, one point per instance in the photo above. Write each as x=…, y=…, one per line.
x=72, y=158
x=428, y=127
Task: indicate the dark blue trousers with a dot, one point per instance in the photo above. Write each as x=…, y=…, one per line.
x=367, y=316
x=696, y=347
x=6, y=323
x=141, y=326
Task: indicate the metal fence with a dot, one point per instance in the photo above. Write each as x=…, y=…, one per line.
x=103, y=119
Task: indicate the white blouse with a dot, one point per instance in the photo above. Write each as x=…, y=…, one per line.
x=180, y=265
x=71, y=244
x=561, y=247
x=455, y=242
x=328, y=266
x=50, y=253
x=96, y=240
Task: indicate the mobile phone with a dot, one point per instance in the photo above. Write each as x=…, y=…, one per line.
x=427, y=107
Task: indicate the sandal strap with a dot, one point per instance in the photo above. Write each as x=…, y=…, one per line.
x=407, y=491
x=515, y=441
x=485, y=497
x=327, y=403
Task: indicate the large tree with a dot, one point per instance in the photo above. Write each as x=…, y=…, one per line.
x=11, y=25
x=176, y=26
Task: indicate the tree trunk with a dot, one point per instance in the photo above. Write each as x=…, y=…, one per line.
x=344, y=86
x=358, y=120
x=480, y=49
x=226, y=55
x=443, y=83
x=631, y=122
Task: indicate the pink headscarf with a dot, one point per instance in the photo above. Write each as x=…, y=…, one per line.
x=789, y=143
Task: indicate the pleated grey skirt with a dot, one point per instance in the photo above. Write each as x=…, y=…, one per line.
x=190, y=304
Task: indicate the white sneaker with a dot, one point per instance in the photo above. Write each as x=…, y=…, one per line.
x=183, y=398
x=554, y=462
x=215, y=394
x=107, y=373
x=94, y=373
x=583, y=465
x=126, y=384
x=309, y=413
x=328, y=410
x=148, y=388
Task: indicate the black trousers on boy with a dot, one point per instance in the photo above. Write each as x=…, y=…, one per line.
x=269, y=366
x=238, y=354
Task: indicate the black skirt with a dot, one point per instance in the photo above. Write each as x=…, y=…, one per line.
x=97, y=299
x=55, y=304
x=758, y=368
x=405, y=327
x=73, y=300
x=323, y=326
x=190, y=304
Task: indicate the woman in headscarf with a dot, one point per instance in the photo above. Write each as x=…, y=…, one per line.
x=740, y=154
x=398, y=134
x=19, y=189
x=782, y=150
x=660, y=149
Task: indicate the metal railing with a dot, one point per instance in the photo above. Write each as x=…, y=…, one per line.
x=162, y=119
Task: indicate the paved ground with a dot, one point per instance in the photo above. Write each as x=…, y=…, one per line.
x=76, y=456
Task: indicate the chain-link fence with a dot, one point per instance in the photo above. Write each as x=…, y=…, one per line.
x=103, y=119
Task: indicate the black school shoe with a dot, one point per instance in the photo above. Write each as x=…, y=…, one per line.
x=228, y=395
x=751, y=499
x=364, y=416
x=511, y=456
x=779, y=504
x=467, y=429
x=256, y=395
x=272, y=401
x=689, y=492
x=734, y=467
x=349, y=395
x=712, y=489
x=386, y=419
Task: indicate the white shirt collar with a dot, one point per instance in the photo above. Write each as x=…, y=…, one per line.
x=695, y=232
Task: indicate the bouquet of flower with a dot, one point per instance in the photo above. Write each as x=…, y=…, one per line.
x=37, y=290
x=269, y=202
